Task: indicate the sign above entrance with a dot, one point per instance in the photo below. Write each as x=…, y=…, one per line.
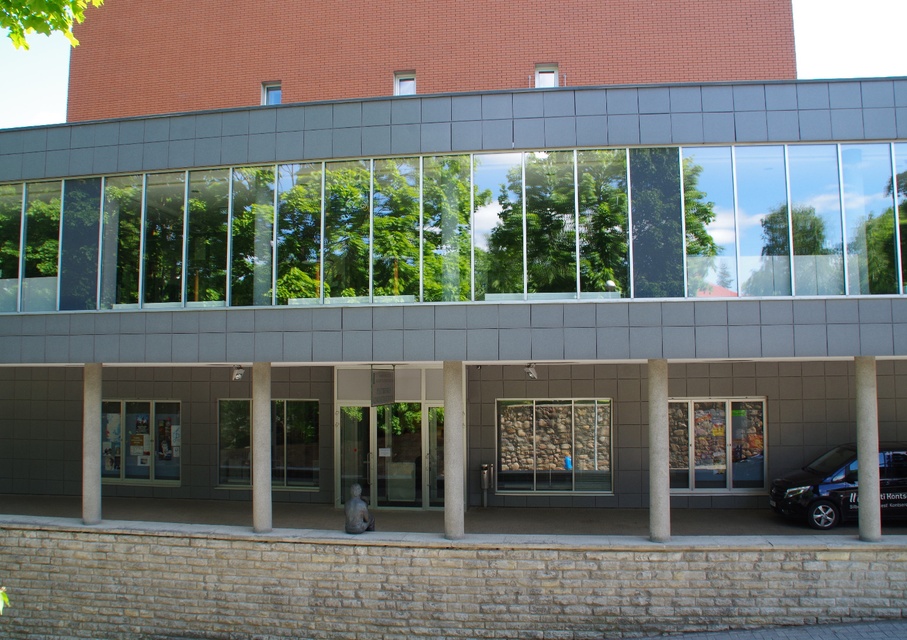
x=383, y=389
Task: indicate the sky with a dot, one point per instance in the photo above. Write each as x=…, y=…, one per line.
x=834, y=39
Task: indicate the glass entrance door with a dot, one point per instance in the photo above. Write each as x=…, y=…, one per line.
x=399, y=444
x=355, y=451
x=435, y=473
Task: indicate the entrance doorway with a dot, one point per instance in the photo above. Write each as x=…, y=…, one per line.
x=395, y=452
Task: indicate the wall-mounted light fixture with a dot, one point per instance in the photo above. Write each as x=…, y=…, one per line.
x=531, y=372
x=238, y=372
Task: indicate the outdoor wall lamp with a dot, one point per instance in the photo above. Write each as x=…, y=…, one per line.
x=238, y=372
x=531, y=372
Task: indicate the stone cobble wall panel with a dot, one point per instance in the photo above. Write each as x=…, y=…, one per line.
x=76, y=582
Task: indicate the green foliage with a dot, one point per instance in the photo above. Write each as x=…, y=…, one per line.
x=603, y=200
x=23, y=17
x=4, y=599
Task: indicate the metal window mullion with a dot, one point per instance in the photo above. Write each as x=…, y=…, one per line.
x=892, y=148
x=728, y=444
x=683, y=224
x=691, y=445
x=572, y=445
x=97, y=299
x=736, y=219
x=229, y=300
x=23, y=221
x=843, y=219
x=535, y=453
x=60, y=239
x=523, y=159
x=790, y=224
x=143, y=215
x=576, y=250
x=184, y=293
x=629, y=228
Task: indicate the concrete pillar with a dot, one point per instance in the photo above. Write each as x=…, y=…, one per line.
x=659, y=453
x=868, y=449
x=454, y=451
x=261, y=447
x=92, y=395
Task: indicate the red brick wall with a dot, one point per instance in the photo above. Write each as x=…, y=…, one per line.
x=141, y=57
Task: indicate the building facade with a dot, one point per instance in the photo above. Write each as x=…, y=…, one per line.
x=136, y=60
x=399, y=291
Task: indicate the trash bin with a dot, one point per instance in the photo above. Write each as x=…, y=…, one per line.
x=487, y=482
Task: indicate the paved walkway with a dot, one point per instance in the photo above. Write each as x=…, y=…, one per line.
x=884, y=629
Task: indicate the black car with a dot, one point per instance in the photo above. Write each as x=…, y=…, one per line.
x=824, y=492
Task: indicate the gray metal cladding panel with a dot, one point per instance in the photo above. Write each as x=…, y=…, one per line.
x=655, y=115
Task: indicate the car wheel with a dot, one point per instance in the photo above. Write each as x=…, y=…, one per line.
x=823, y=515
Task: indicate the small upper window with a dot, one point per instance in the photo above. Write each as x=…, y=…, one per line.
x=405, y=84
x=270, y=93
x=546, y=76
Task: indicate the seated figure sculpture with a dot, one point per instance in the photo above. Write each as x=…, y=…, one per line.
x=358, y=519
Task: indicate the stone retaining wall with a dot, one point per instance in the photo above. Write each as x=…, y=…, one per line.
x=205, y=582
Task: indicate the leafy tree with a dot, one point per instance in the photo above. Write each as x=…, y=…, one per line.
x=395, y=230
x=10, y=224
x=122, y=240
x=346, y=221
x=698, y=215
x=299, y=237
x=23, y=17
x=206, y=265
x=874, y=248
x=253, y=226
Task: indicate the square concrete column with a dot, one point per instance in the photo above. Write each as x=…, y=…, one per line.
x=868, y=449
x=261, y=447
x=659, y=453
x=92, y=395
x=454, y=451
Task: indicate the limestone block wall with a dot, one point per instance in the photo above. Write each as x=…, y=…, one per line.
x=69, y=581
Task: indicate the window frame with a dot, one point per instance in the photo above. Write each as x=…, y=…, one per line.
x=728, y=489
x=402, y=78
x=547, y=70
x=267, y=90
x=575, y=466
x=175, y=443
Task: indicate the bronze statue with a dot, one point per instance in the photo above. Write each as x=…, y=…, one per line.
x=358, y=519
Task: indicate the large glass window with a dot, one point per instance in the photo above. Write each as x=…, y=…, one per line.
x=762, y=216
x=707, y=455
x=815, y=195
x=299, y=233
x=869, y=215
x=79, y=254
x=711, y=230
x=446, y=237
x=206, y=238
x=10, y=237
x=655, y=196
x=295, y=455
x=42, y=244
x=554, y=445
x=550, y=225
x=141, y=440
x=603, y=224
x=498, y=226
x=122, y=241
x=396, y=230
x=165, y=195
x=252, y=266
x=346, y=231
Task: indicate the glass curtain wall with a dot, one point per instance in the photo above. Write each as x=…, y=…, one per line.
x=79, y=266
x=252, y=236
x=121, y=241
x=206, y=238
x=815, y=200
x=299, y=233
x=165, y=195
x=10, y=238
x=898, y=188
x=590, y=224
x=869, y=218
x=42, y=246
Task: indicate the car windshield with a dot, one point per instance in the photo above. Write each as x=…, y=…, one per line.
x=830, y=462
